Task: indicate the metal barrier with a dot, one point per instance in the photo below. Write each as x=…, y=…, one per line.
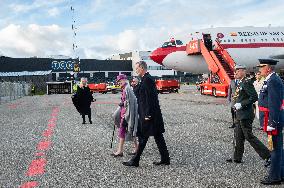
x=13, y=90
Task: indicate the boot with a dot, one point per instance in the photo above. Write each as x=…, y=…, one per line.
x=84, y=121
x=90, y=119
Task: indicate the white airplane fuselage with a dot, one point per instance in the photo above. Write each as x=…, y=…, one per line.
x=244, y=44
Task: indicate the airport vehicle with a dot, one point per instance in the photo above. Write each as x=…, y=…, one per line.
x=231, y=45
x=98, y=88
x=167, y=86
x=113, y=88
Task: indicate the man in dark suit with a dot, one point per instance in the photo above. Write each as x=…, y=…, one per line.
x=271, y=104
x=150, y=117
x=245, y=96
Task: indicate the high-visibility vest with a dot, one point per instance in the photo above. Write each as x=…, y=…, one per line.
x=75, y=88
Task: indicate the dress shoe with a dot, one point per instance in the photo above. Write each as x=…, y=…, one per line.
x=232, y=126
x=233, y=160
x=117, y=155
x=267, y=181
x=91, y=122
x=267, y=162
x=84, y=122
x=130, y=163
x=162, y=163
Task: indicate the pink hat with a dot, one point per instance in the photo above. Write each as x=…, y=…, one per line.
x=121, y=77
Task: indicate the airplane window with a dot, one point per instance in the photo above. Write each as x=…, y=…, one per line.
x=277, y=39
x=273, y=39
x=165, y=44
x=281, y=39
x=234, y=40
x=145, y=57
x=228, y=40
x=179, y=42
x=253, y=40
x=224, y=40
x=265, y=39
x=262, y=40
x=250, y=40
x=246, y=40
x=242, y=40
x=168, y=44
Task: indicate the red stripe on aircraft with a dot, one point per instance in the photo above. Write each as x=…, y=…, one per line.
x=252, y=45
x=159, y=54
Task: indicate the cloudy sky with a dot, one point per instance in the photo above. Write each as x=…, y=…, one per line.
x=106, y=27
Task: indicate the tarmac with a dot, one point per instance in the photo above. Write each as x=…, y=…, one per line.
x=44, y=144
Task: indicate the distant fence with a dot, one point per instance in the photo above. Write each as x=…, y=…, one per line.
x=13, y=90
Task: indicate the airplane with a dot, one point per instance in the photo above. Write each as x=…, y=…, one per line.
x=244, y=44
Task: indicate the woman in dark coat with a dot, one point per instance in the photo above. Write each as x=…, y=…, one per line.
x=84, y=100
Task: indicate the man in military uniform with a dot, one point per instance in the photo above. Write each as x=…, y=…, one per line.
x=271, y=103
x=245, y=96
x=232, y=102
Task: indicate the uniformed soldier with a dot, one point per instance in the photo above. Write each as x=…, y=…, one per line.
x=271, y=103
x=245, y=96
x=231, y=93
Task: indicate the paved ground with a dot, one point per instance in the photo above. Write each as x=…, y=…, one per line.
x=44, y=143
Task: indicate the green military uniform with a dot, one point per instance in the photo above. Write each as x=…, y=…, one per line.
x=246, y=95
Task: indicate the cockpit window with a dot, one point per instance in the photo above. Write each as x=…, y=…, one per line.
x=179, y=42
x=172, y=43
x=169, y=44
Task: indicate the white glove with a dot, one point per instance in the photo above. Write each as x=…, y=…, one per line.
x=238, y=106
x=270, y=128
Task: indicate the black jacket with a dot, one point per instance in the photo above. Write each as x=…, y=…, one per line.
x=148, y=106
x=135, y=89
x=84, y=99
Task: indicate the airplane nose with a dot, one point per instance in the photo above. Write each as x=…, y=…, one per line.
x=157, y=56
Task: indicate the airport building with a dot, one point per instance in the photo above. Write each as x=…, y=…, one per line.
x=154, y=69
x=63, y=69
